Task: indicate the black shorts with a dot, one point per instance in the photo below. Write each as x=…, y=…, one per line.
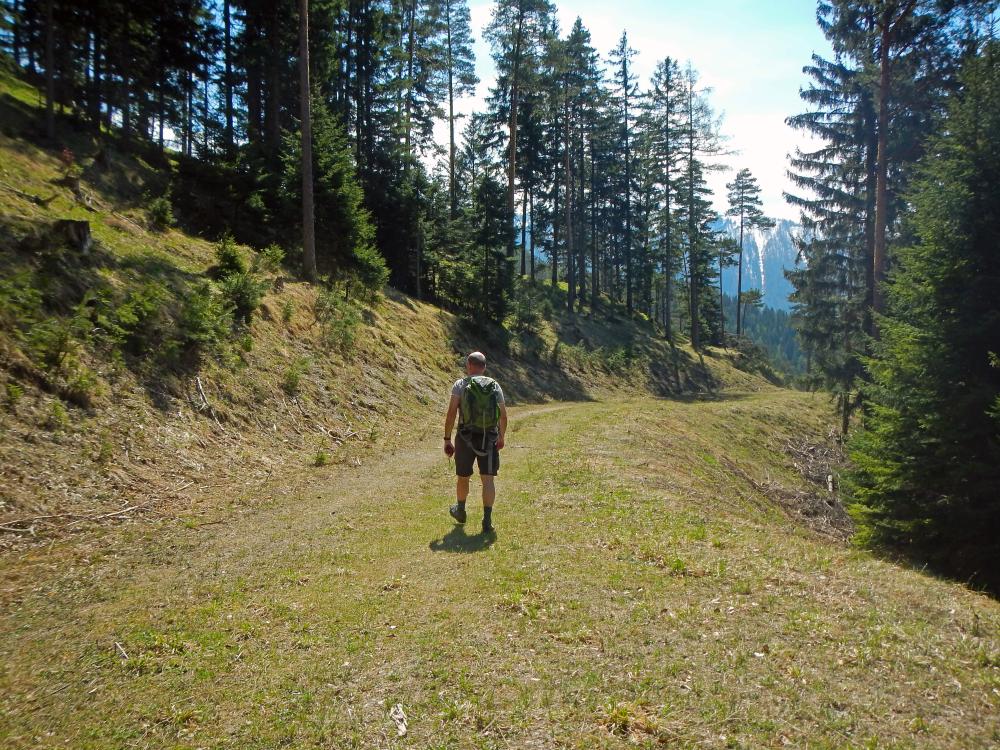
x=465, y=456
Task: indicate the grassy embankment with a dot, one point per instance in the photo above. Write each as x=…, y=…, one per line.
x=125, y=393
x=642, y=591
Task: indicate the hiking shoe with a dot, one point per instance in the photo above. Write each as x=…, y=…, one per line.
x=457, y=512
x=489, y=529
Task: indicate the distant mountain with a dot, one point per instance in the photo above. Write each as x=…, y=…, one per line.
x=766, y=254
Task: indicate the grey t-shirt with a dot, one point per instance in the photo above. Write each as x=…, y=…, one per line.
x=460, y=385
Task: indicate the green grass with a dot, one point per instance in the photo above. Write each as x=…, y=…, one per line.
x=636, y=595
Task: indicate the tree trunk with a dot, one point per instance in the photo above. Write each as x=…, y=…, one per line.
x=628, y=194
x=50, y=76
x=452, y=191
x=15, y=44
x=722, y=299
x=272, y=109
x=512, y=127
x=568, y=177
x=204, y=126
x=531, y=199
x=253, y=41
x=189, y=116
x=126, y=105
x=94, y=102
x=308, y=228
x=524, y=228
x=410, y=50
x=555, y=228
x=228, y=85
x=581, y=279
x=881, y=176
x=595, y=282
x=161, y=111
x=693, y=250
x=739, y=279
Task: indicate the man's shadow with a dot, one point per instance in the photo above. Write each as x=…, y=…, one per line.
x=457, y=540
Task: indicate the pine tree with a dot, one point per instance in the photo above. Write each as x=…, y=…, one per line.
x=701, y=140
x=745, y=203
x=927, y=464
x=462, y=79
x=663, y=118
x=514, y=32
x=624, y=96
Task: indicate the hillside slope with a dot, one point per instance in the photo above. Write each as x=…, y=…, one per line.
x=99, y=428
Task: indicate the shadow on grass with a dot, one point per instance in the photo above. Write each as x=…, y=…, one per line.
x=457, y=540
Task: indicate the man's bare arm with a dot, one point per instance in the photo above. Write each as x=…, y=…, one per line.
x=503, y=426
x=449, y=420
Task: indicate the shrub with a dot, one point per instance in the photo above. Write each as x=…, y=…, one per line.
x=81, y=385
x=269, y=259
x=339, y=319
x=204, y=319
x=20, y=299
x=370, y=271
x=161, y=213
x=53, y=341
x=293, y=377
x=527, y=304
x=322, y=458
x=287, y=310
x=618, y=359
x=243, y=291
x=58, y=419
x=136, y=323
x=14, y=394
x=229, y=259
x=106, y=450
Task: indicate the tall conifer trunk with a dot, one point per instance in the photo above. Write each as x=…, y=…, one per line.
x=308, y=227
x=452, y=190
x=512, y=127
x=568, y=177
x=50, y=75
x=228, y=54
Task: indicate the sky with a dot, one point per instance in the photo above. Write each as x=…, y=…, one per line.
x=749, y=52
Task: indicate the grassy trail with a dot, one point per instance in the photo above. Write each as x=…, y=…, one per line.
x=639, y=593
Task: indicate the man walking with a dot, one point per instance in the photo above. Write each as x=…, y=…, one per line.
x=478, y=402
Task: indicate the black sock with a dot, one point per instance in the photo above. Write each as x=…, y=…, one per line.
x=461, y=504
x=487, y=514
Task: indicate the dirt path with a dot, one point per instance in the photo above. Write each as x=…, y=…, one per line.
x=638, y=593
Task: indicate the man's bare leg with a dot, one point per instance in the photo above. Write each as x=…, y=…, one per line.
x=489, y=495
x=457, y=510
x=462, y=489
x=489, y=490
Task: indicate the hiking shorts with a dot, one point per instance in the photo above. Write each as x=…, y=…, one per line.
x=465, y=456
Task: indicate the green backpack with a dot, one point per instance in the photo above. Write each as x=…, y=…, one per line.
x=479, y=408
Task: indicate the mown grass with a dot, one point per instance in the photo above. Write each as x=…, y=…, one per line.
x=638, y=594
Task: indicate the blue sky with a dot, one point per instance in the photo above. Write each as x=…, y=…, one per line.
x=750, y=52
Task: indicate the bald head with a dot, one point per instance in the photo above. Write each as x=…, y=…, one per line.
x=475, y=363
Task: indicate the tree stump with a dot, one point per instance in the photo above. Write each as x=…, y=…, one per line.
x=74, y=232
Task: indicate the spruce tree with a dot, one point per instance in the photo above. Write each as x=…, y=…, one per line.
x=927, y=464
